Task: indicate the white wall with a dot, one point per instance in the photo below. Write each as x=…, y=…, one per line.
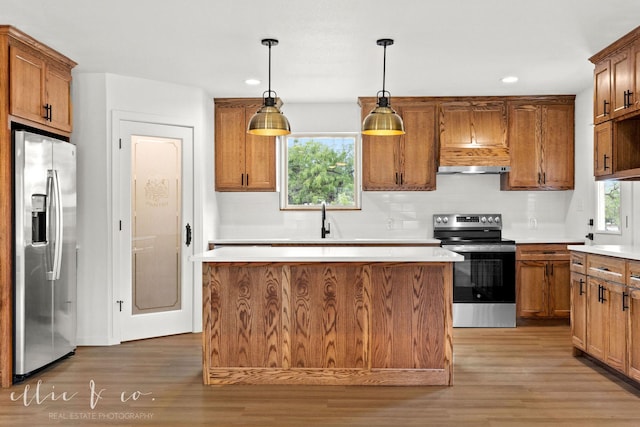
x=95, y=98
x=407, y=214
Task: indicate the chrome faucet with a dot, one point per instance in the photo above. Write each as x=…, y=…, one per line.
x=326, y=226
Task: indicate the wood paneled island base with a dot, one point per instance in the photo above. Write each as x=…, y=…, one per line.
x=333, y=323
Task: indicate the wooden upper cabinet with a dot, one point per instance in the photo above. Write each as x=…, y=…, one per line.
x=621, y=82
x=40, y=88
x=602, y=92
x=603, y=149
x=405, y=162
x=473, y=129
x=243, y=162
x=541, y=145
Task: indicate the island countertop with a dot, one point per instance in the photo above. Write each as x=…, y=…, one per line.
x=328, y=254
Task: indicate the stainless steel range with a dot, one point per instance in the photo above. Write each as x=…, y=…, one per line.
x=484, y=285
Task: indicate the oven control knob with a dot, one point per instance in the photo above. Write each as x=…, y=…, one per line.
x=483, y=219
x=497, y=219
x=445, y=220
x=438, y=220
x=490, y=220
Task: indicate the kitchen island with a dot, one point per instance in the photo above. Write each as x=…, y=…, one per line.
x=328, y=315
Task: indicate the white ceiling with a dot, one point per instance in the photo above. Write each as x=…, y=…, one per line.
x=327, y=50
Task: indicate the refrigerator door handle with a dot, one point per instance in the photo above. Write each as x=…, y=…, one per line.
x=57, y=259
x=50, y=238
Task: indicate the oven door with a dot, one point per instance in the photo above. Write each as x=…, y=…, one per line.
x=487, y=274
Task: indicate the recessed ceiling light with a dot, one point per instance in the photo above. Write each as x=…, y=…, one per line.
x=509, y=79
x=252, y=82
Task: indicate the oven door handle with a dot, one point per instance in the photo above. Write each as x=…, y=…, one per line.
x=480, y=248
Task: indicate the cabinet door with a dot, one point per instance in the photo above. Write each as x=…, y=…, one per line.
x=58, y=96
x=635, y=96
x=603, y=149
x=559, y=277
x=27, y=97
x=596, y=318
x=260, y=162
x=524, y=146
x=634, y=333
x=579, y=310
x=616, y=336
x=531, y=289
x=380, y=169
x=473, y=125
x=621, y=82
x=418, y=163
x=602, y=92
x=230, y=148
x=558, y=147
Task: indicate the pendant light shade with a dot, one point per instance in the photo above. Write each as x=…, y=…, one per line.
x=269, y=120
x=383, y=120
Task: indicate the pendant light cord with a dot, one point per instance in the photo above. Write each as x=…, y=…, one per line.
x=269, y=93
x=384, y=68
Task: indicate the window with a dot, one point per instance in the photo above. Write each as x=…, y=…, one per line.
x=609, y=207
x=320, y=168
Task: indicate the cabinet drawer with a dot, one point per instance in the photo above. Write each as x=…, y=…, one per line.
x=633, y=274
x=542, y=252
x=606, y=268
x=579, y=262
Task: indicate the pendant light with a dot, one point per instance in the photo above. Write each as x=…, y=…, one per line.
x=383, y=120
x=269, y=120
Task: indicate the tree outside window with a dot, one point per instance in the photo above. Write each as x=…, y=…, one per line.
x=321, y=168
x=609, y=206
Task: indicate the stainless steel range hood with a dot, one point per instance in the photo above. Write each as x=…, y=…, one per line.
x=444, y=170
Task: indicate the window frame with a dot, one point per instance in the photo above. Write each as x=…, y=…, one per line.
x=284, y=170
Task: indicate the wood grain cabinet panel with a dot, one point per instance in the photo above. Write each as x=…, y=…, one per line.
x=406, y=162
x=579, y=310
x=541, y=145
x=543, y=282
x=473, y=132
x=602, y=92
x=327, y=323
x=243, y=162
x=603, y=149
x=633, y=302
x=40, y=89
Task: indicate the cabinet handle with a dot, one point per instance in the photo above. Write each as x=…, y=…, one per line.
x=401, y=179
x=629, y=93
x=247, y=180
x=551, y=269
x=599, y=293
x=605, y=162
x=624, y=297
x=242, y=180
x=47, y=112
x=603, y=298
x=539, y=181
x=581, y=290
x=396, y=178
x=604, y=112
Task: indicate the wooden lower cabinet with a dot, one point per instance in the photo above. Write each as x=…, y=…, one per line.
x=634, y=333
x=579, y=310
x=327, y=323
x=612, y=307
x=543, y=281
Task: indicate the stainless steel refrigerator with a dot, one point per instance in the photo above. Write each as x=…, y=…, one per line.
x=45, y=251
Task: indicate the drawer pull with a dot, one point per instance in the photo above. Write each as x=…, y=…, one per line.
x=606, y=270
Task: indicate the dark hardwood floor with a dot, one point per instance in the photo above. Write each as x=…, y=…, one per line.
x=502, y=377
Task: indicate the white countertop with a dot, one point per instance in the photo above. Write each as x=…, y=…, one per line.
x=328, y=254
x=620, y=251
x=329, y=241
